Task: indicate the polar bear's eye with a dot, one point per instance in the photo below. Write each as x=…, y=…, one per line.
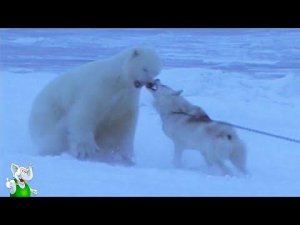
x=145, y=69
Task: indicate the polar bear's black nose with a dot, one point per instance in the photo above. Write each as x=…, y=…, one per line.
x=137, y=84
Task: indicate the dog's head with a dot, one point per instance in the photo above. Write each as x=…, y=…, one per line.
x=165, y=98
x=161, y=90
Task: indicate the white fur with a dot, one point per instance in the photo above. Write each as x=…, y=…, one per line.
x=93, y=110
x=217, y=142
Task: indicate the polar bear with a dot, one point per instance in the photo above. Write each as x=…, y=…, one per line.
x=92, y=111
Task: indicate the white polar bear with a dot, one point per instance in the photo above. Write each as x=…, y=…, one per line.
x=92, y=111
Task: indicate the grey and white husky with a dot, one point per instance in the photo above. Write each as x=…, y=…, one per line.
x=189, y=127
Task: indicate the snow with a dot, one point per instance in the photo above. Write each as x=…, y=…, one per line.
x=247, y=77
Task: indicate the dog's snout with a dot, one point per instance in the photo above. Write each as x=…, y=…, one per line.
x=152, y=86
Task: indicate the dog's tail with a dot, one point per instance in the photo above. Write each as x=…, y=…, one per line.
x=235, y=148
x=221, y=131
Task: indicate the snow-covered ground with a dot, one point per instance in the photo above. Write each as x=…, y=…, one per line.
x=247, y=77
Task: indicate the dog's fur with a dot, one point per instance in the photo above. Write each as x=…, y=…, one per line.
x=189, y=127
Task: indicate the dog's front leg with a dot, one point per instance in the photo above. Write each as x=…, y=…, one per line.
x=177, y=160
x=225, y=170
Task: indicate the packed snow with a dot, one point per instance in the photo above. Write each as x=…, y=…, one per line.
x=247, y=77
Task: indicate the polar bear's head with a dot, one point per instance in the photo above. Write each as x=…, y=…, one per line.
x=143, y=66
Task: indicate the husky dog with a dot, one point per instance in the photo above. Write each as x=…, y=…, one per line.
x=189, y=127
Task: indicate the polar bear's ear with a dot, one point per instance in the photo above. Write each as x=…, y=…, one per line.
x=177, y=93
x=135, y=53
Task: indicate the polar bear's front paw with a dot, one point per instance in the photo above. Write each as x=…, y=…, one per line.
x=83, y=145
x=122, y=159
x=84, y=148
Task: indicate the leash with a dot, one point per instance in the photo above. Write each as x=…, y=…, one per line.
x=206, y=119
x=260, y=132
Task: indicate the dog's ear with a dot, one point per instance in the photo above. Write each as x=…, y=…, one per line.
x=177, y=93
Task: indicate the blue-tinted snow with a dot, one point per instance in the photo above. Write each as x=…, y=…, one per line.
x=248, y=77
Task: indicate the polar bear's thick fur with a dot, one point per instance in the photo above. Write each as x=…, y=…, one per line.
x=93, y=110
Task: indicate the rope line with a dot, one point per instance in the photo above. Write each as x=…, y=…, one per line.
x=260, y=132
x=239, y=127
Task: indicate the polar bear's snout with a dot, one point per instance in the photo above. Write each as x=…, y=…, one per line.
x=137, y=84
x=140, y=84
x=149, y=84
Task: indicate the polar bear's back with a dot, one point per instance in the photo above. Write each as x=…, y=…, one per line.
x=65, y=88
x=59, y=95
